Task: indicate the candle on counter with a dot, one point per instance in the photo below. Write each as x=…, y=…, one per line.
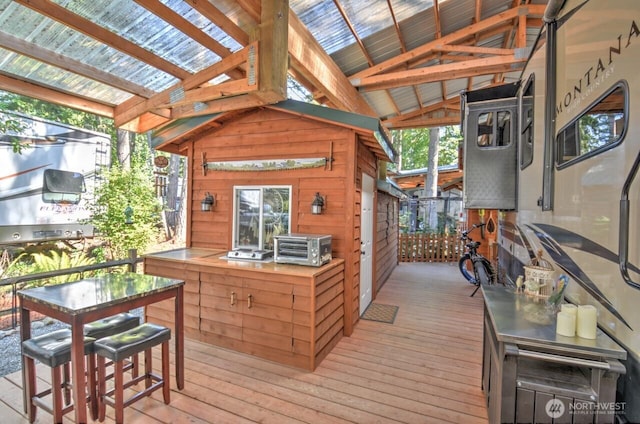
x=569, y=307
x=566, y=324
x=587, y=321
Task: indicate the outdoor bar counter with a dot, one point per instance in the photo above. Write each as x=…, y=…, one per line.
x=532, y=374
x=290, y=314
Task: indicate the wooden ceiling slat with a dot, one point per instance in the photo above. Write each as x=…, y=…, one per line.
x=212, y=13
x=44, y=55
x=80, y=24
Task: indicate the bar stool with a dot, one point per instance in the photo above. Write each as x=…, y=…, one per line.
x=54, y=350
x=121, y=346
x=113, y=325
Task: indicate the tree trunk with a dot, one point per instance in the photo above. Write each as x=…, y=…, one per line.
x=123, y=148
x=431, y=180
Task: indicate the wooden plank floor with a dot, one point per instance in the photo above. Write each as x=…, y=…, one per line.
x=424, y=368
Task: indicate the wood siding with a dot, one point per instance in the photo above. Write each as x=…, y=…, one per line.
x=272, y=134
x=289, y=318
x=387, y=228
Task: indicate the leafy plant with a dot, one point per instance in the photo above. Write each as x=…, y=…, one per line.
x=128, y=190
x=54, y=260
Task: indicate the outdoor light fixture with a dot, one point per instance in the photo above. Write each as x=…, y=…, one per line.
x=128, y=215
x=207, y=203
x=317, y=204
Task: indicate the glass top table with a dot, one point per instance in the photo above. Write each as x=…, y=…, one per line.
x=90, y=299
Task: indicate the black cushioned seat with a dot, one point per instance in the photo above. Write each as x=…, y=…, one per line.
x=111, y=325
x=130, y=342
x=121, y=346
x=54, y=350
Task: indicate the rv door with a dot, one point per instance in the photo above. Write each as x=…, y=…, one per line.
x=490, y=155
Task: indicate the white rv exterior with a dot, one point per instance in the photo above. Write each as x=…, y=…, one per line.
x=574, y=132
x=46, y=190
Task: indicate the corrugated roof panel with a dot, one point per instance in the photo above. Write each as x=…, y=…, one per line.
x=405, y=99
x=325, y=23
x=456, y=15
x=380, y=103
x=418, y=29
x=26, y=68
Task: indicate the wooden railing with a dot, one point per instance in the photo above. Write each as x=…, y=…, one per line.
x=429, y=248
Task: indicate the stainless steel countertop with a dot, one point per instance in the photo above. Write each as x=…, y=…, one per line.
x=529, y=322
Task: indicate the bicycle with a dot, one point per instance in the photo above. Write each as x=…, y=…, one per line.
x=475, y=268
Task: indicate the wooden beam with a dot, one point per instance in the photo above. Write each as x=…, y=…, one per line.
x=243, y=101
x=310, y=60
x=34, y=51
x=452, y=38
x=209, y=11
x=437, y=73
x=273, y=64
x=92, y=30
x=18, y=86
x=131, y=109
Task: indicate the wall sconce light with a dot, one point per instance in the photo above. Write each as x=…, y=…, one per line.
x=317, y=204
x=206, y=205
x=128, y=215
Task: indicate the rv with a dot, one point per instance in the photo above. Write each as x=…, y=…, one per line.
x=558, y=152
x=47, y=188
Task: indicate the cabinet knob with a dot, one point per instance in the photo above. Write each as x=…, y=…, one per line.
x=233, y=298
x=249, y=301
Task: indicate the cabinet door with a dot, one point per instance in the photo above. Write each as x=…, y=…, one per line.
x=220, y=305
x=267, y=308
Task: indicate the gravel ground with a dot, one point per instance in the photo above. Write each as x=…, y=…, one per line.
x=10, y=360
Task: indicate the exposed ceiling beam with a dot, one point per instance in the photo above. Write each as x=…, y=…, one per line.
x=127, y=112
x=310, y=60
x=18, y=86
x=209, y=11
x=90, y=29
x=41, y=54
x=452, y=38
x=466, y=69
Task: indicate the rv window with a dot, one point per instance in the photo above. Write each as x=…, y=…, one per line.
x=596, y=130
x=494, y=129
x=260, y=213
x=62, y=186
x=526, y=125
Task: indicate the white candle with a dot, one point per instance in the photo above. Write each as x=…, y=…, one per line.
x=570, y=308
x=566, y=324
x=587, y=322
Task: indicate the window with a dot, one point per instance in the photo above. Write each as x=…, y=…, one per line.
x=260, y=212
x=62, y=186
x=598, y=129
x=494, y=129
x=526, y=123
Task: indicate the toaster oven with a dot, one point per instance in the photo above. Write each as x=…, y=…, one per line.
x=302, y=249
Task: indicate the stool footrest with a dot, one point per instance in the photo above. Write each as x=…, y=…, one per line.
x=107, y=399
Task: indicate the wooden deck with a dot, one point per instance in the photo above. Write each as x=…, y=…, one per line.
x=424, y=368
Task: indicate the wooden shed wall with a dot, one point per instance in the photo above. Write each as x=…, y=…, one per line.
x=387, y=228
x=271, y=134
x=268, y=134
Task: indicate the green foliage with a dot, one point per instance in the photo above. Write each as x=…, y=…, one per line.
x=53, y=112
x=124, y=188
x=413, y=144
x=54, y=260
x=8, y=125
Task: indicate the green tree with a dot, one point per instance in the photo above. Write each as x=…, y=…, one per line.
x=413, y=146
x=132, y=188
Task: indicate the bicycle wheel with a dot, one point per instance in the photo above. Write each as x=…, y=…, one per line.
x=466, y=268
x=483, y=275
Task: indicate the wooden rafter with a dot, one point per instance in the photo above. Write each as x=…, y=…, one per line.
x=85, y=26
x=41, y=54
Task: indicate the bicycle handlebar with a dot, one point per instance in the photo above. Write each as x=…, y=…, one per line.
x=474, y=226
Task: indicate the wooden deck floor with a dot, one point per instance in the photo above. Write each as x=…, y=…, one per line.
x=424, y=368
